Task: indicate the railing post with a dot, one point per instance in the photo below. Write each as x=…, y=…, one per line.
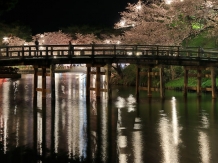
x=46, y=51
x=93, y=50
x=7, y=52
x=51, y=50
x=72, y=50
x=114, y=49
x=22, y=51
x=29, y=51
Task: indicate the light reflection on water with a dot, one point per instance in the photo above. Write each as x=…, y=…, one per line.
x=173, y=130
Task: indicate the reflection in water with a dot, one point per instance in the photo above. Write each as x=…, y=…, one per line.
x=119, y=130
x=5, y=107
x=169, y=134
x=204, y=144
x=70, y=133
x=204, y=147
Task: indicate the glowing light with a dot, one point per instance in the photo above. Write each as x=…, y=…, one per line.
x=168, y=2
x=138, y=7
x=5, y=38
x=107, y=41
x=41, y=47
x=122, y=23
x=129, y=53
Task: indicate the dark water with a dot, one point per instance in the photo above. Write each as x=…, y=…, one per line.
x=72, y=129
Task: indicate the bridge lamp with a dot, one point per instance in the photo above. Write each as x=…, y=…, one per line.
x=129, y=53
x=107, y=41
x=138, y=53
x=118, y=42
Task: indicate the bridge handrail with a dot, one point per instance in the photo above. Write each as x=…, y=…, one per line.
x=105, y=49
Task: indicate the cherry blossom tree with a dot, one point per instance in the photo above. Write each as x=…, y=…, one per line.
x=13, y=41
x=167, y=23
x=53, y=38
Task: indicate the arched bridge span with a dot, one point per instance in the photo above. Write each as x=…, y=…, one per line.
x=99, y=55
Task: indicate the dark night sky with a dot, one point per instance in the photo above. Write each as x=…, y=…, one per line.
x=51, y=15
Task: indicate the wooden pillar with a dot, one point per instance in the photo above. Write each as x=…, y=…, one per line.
x=213, y=83
x=35, y=119
x=52, y=80
x=88, y=74
x=43, y=82
x=35, y=84
x=198, y=83
x=185, y=90
x=137, y=82
x=98, y=83
x=44, y=128
x=43, y=112
x=161, y=82
x=108, y=77
x=149, y=82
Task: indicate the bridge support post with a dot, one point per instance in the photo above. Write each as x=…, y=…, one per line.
x=52, y=80
x=213, y=83
x=198, y=82
x=161, y=82
x=35, y=84
x=108, y=78
x=43, y=111
x=98, y=83
x=137, y=82
x=43, y=83
x=185, y=90
x=88, y=74
x=35, y=117
x=149, y=81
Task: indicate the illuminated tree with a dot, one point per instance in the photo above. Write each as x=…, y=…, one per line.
x=52, y=38
x=167, y=23
x=13, y=41
x=86, y=39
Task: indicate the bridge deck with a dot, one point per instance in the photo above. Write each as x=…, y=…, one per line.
x=103, y=54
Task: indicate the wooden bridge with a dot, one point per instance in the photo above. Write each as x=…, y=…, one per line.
x=104, y=55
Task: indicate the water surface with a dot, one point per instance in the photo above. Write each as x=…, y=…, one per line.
x=74, y=129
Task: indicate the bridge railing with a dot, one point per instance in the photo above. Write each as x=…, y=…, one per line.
x=104, y=49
